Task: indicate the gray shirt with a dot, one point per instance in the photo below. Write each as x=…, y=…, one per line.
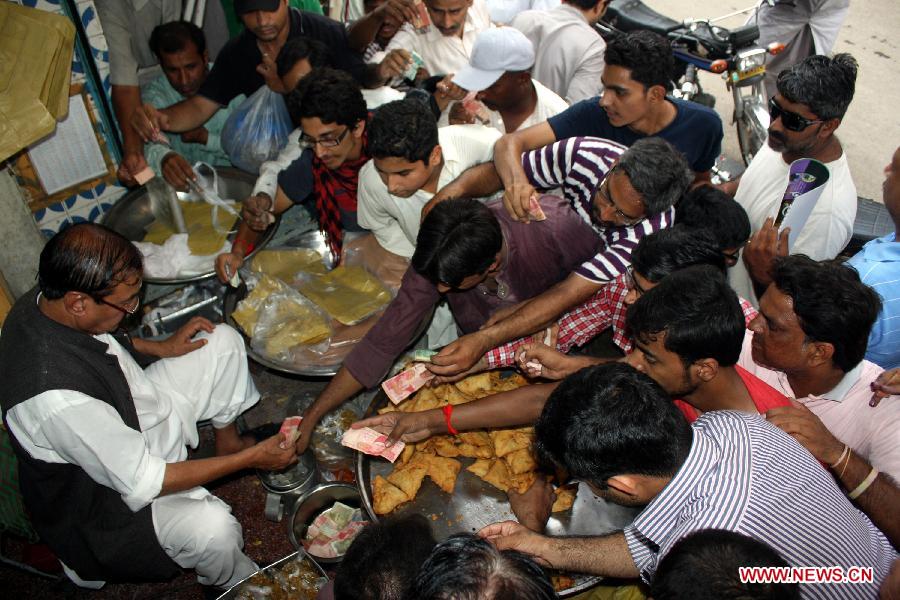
x=568, y=51
x=127, y=25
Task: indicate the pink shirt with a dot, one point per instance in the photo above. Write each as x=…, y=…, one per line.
x=873, y=433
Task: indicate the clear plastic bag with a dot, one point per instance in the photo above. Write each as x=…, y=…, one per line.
x=287, y=320
x=257, y=130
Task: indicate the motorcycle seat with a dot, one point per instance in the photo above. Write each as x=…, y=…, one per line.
x=631, y=15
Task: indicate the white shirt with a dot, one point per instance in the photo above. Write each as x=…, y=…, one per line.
x=568, y=51
x=394, y=220
x=503, y=11
x=442, y=54
x=64, y=426
x=548, y=104
x=826, y=232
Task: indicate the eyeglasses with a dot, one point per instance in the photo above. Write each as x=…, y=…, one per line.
x=791, y=120
x=327, y=142
x=606, y=199
x=632, y=283
x=128, y=309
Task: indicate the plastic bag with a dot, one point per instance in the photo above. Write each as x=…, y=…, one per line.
x=350, y=294
x=257, y=130
x=286, y=320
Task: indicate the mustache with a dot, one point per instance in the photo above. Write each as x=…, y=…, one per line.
x=777, y=136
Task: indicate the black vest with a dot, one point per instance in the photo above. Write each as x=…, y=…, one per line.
x=86, y=524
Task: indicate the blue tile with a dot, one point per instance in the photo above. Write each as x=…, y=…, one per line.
x=39, y=214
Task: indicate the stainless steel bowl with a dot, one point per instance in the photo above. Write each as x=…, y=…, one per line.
x=131, y=215
x=317, y=500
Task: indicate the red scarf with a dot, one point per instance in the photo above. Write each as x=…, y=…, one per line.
x=335, y=190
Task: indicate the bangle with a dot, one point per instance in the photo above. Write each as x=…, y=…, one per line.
x=448, y=411
x=841, y=457
x=864, y=485
x=841, y=476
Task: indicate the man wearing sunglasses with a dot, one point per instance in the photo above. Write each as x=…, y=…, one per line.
x=812, y=98
x=101, y=434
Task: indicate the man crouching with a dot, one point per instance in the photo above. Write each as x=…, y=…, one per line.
x=101, y=433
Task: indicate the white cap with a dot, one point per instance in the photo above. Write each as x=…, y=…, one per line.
x=496, y=51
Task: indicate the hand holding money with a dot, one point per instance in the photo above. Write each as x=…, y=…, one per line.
x=372, y=442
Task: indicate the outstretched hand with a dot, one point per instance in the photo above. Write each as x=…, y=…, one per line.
x=182, y=341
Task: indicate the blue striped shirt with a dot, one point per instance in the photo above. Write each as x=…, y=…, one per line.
x=578, y=165
x=744, y=474
x=878, y=265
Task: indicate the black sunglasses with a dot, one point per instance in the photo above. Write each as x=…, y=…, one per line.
x=791, y=120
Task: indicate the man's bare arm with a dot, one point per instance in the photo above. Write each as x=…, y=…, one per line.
x=188, y=114
x=188, y=474
x=126, y=99
x=515, y=408
x=508, y=159
x=880, y=501
x=606, y=555
x=341, y=388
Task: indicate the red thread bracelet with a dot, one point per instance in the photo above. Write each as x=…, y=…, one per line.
x=448, y=411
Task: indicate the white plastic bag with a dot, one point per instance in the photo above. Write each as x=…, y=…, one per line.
x=257, y=130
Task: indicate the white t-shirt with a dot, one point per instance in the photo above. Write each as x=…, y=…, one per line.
x=826, y=232
x=394, y=220
x=442, y=54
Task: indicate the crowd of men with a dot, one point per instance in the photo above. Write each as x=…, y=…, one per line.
x=548, y=191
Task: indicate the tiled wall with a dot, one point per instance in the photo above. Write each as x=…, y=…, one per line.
x=89, y=205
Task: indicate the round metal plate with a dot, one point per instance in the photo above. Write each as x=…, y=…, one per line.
x=131, y=216
x=475, y=503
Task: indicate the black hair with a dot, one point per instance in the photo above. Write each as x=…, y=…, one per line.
x=712, y=210
x=824, y=84
x=467, y=567
x=175, y=36
x=403, y=129
x=459, y=238
x=658, y=172
x=583, y=4
x=330, y=95
x=298, y=48
x=610, y=420
x=382, y=562
x=87, y=258
x=831, y=303
x=663, y=252
x=699, y=313
x=705, y=565
x=646, y=54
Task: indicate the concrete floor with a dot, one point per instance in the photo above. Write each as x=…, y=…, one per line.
x=870, y=131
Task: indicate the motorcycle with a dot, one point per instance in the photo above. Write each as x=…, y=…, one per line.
x=700, y=44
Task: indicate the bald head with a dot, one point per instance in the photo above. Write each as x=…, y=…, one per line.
x=87, y=258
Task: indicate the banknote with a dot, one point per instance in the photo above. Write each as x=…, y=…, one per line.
x=423, y=355
x=290, y=431
x=534, y=209
x=406, y=382
x=369, y=441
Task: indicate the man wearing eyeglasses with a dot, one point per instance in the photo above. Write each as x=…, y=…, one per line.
x=812, y=98
x=624, y=194
x=324, y=177
x=101, y=434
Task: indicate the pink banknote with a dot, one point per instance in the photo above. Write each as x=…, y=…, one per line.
x=406, y=382
x=290, y=430
x=369, y=441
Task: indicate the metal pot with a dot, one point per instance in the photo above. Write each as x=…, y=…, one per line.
x=317, y=500
x=132, y=214
x=286, y=487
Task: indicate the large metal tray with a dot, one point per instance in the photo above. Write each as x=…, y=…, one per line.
x=131, y=215
x=475, y=503
x=232, y=592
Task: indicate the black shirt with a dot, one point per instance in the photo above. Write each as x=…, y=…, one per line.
x=234, y=71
